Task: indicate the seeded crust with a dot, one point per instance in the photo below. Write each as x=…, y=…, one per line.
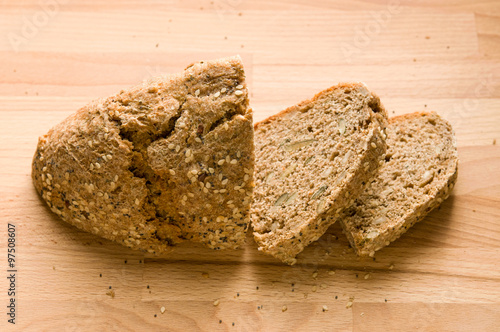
x=166, y=161
x=419, y=173
x=312, y=160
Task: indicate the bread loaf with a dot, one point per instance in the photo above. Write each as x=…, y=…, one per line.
x=166, y=161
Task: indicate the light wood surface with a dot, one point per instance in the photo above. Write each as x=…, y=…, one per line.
x=443, y=275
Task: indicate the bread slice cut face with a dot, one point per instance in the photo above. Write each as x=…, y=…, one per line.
x=312, y=160
x=418, y=175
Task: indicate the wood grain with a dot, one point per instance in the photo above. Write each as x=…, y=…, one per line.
x=442, y=275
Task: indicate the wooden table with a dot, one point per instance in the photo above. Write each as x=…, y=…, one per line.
x=443, y=275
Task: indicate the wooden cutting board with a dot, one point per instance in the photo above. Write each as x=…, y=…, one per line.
x=443, y=275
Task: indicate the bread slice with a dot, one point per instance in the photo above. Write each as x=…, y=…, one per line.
x=312, y=160
x=166, y=161
x=419, y=173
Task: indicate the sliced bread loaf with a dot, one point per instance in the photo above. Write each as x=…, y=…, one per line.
x=166, y=161
x=419, y=173
x=312, y=160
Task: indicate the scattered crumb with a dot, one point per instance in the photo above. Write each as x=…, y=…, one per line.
x=111, y=293
x=240, y=13
x=322, y=286
x=305, y=295
x=225, y=37
x=494, y=141
x=331, y=272
x=349, y=304
x=205, y=275
x=284, y=308
x=362, y=314
x=325, y=308
x=427, y=37
x=314, y=288
x=367, y=276
x=473, y=210
x=391, y=266
x=216, y=303
x=414, y=60
x=425, y=105
x=53, y=268
x=162, y=310
x=157, y=45
x=315, y=274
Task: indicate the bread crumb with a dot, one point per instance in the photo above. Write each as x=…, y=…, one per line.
x=162, y=310
x=216, y=303
x=349, y=304
x=111, y=293
x=205, y=275
x=284, y=308
x=331, y=272
x=325, y=308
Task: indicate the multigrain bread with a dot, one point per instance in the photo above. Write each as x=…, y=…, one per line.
x=312, y=160
x=166, y=161
x=419, y=173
